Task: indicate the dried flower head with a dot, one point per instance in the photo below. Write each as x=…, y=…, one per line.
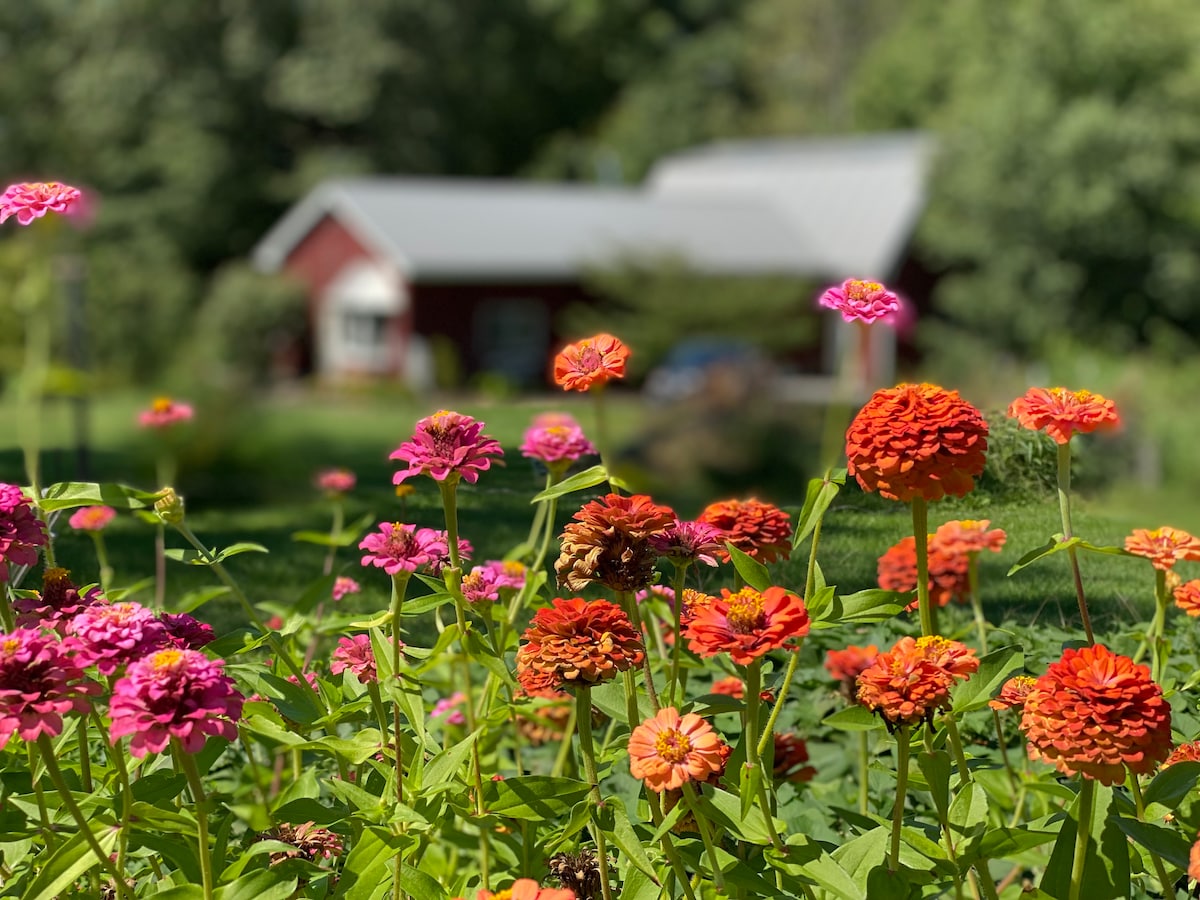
x=860, y=301
x=21, y=531
x=178, y=694
x=1164, y=546
x=577, y=642
x=791, y=759
x=1187, y=597
x=335, y=481
x=610, y=543
x=355, y=654
x=401, y=548
x=447, y=446
x=1061, y=413
x=165, y=412
x=578, y=872
x=688, y=542
x=1097, y=713
x=1013, y=694
x=667, y=750
x=32, y=200
x=92, y=518
x=310, y=841
x=758, y=529
x=909, y=683
x=948, y=572
x=556, y=440
x=39, y=684
x=917, y=440
x=591, y=362
x=747, y=624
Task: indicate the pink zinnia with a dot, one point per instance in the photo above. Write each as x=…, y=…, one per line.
x=484, y=583
x=401, y=548
x=355, y=653
x=442, y=557
x=861, y=301
x=556, y=440
x=39, y=683
x=174, y=694
x=92, y=518
x=343, y=585
x=58, y=602
x=109, y=637
x=336, y=481
x=507, y=573
x=444, y=445
x=448, y=707
x=656, y=591
x=690, y=542
x=165, y=412
x=187, y=633
x=21, y=531
x=32, y=200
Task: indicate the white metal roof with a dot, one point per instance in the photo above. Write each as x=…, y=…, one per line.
x=824, y=208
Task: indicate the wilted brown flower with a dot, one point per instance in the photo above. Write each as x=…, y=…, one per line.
x=310, y=841
x=609, y=543
x=578, y=872
x=577, y=642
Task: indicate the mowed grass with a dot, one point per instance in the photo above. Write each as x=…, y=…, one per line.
x=246, y=468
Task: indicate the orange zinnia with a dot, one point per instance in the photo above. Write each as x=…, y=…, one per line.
x=1097, y=713
x=1194, y=862
x=731, y=687
x=963, y=536
x=527, y=889
x=609, y=543
x=909, y=683
x=577, y=642
x=916, y=440
x=1189, y=752
x=1060, y=412
x=1187, y=597
x=758, y=529
x=668, y=750
x=1012, y=695
x=897, y=571
x=592, y=361
x=844, y=666
x=746, y=624
x=1163, y=546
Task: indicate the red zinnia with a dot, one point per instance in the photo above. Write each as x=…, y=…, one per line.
x=791, y=758
x=910, y=682
x=948, y=579
x=758, y=529
x=732, y=686
x=1060, y=412
x=610, y=543
x=592, y=361
x=1189, y=752
x=577, y=642
x=746, y=624
x=917, y=440
x=1163, y=546
x=1097, y=713
x=667, y=750
x=1014, y=692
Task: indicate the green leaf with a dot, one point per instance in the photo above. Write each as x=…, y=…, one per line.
x=72, y=859
x=1168, y=843
x=367, y=867
x=627, y=840
x=192, y=557
x=1056, y=544
x=994, y=669
x=999, y=843
x=181, y=892
x=581, y=817
x=752, y=571
x=440, y=771
x=534, y=797
x=1173, y=784
x=804, y=856
x=862, y=608
x=263, y=884
x=420, y=605
x=884, y=884
x=358, y=749
x=936, y=767
x=726, y=810
x=71, y=494
x=1106, y=870
x=419, y=885
x=578, y=482
x=479, y=651
x=193, y=600
x=854, y=718
x=347, y=537
x=239, y=548
x=819, y=495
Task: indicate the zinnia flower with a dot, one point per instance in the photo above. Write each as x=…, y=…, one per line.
x=948, y=573
x=21, y=531
x=355, y=654
x=526, y=889
x=1013, y=694
x=185, y=632
x=966, y=536
x=1189, y=752
x=174, y=694
x=58, y=602
x=1193, y=869
x=1187, y=597
x=687, y=542
x=343, y=586
x=165, y=412
x=92, y=518
x=484, y=583
x=442, y=557
x=731, y=686
x=1097, y=713
x=758, y=529
x=656, y=592
x=747, y=624
x=557, y=441
x=1163, y=546
x=860, y=301
x=108, y=637
x=916, y=440
x=668, y=750
x=448, y=707
x=547, y=721
x=592, y=361
x=791, y=756
x=336, y=481
x=577, y=642
x=447, y=445
x=844, y=667
x=909, y=683
x=32, y=200
x=39, y=684
x=1060, y=412
x=610, y=543
x=401, y=548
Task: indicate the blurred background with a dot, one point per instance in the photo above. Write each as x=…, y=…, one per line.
x=318, y=220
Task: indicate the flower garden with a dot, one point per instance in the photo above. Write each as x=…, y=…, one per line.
x=627, y=703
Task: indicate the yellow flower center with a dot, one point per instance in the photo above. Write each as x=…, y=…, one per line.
x=933, y=645
x=166, y=659
x=861, y=290
x=11, y=645
x=512, y=567
x=162, y=404
x=746, y=611
x=505, y=894
x=672, y=746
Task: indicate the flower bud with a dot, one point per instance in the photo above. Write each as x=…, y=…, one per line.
x=169, y=506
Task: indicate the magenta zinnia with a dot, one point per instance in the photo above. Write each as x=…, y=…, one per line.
x=32, y=200
x=557, y=440
x=447, y=445
x=860, y=301
x=21, y=532
x=355, y=655
x=401, y=548
x=39, y=684
x=178, y=694
x=108, y=637
x=58, y=602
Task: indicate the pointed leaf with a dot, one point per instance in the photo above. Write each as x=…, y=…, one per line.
x=627, y=839
x=578, y=482
x=71, y=494
x=752, y=571
x=936, y=768
x=70, y=860
x=820, y=493
x=994, y=669
x=854, y=718
x=1168, y=843
x=1173, y=784
x=534, y=797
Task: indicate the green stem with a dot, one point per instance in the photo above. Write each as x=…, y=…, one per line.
x=43, y=812
x=85, y=830
x=399, y=589
x=668, y=846
x=956, y=747
x=1087, y=796
x=85, y=759
x=901, y=789
x=117, y=754
x=598, y=391
x=564, y=746
x=710, y=848
x=188, y=764
x=674, y=688
x=106, y=572
x=753, y=677
x=1064, y=508
x=864, y=769
x=1157, y=634
x=629, y=603
x=976, y=600
x=583, y=722
x=920, y=518
x=335, y=529
x=1135, y=787
x=1002, y=744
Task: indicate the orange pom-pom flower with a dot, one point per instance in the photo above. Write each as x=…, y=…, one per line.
x=758, y=529
x=909, y=683
x=577, y=642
